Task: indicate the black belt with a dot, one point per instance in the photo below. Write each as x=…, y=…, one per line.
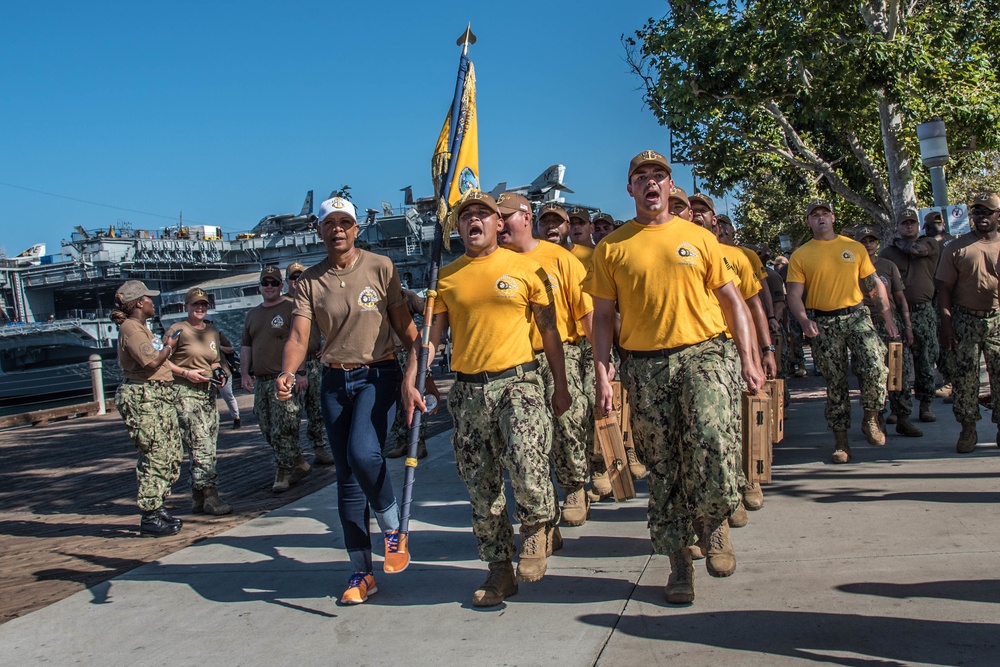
x=487, y=377
x=977, y=313
x=265, y=378
x=666, y=352
x=165, y=383
x=836, y=313
x=920, y=306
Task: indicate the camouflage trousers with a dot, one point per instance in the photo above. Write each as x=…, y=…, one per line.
x=795, y=346
x=856, y=333
x=925, y=350
x=278, y=421
x=736, y=455
x=900, y=402
x=686, y=421
x=974, y=334
x=198, y=418
x=400, y=431
x=503, y=424
x=573, y=432
x=588, y=379
x=150, y=414
x=309, y=404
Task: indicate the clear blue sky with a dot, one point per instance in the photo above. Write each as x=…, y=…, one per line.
x=231, y=111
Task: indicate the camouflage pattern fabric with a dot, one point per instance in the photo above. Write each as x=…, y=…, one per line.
x=736, y=454
x=309, y=404
x=685, y=422
x=573, y=433
x=399, y=433
x=974, y=334
x=198, y=418
x=503, y=424
x=149, y=413
x=795, y=340
x=900, y=402
x=925, y=350
x=278, y=421
x=856, y=333
x=588, y=379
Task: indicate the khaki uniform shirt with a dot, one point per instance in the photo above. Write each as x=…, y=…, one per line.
x=970, y=265
x=265, y=331
x=135, y=350
x=917, y=272
x=197, y=350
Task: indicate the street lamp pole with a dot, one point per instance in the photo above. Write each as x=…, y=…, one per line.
x=934, y=155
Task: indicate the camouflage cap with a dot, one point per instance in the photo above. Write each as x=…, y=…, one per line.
x=553, y=208
x=579, y=214
x=475, y=197
x=704, y=199
x=818, y=203
x=647, y=157
x=337, y=205
x=271, y=272
x=908, y=214
x=132, y=290
x=511, y=202
x=679, y=195
x=990, y=200
x=861, y=231
x=294, y=269
x=196, y=295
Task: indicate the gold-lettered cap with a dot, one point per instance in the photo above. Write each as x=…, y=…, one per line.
x=861, y=231
x=704, y=199
x=679, y=195
x=604, y=217
x=271, y=272
x=553, y=208
x=475, y=197
x=648, y=157
x=195, y=295
x=294, y=269
x=818, y=203
x=337, y=205
x=132, y=290
x=511, y=202
x=578, y=213
x=908, y=214
x=990, y=200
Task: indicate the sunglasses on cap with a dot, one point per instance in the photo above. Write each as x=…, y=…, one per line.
x=270, y=283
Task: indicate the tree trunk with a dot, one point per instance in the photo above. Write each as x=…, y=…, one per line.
x=897, y=160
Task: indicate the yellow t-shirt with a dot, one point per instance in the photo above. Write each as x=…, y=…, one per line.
x=755, y=263
x=830, y=271
x=583, y=253
x=741, y=267
x=488, y=304
x=566, y=275
x=662, y=277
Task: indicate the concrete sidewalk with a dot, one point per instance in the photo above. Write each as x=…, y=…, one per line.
x=891, y=560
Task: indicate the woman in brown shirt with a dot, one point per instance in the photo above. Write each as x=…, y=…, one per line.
x=194, y=364
x=146, y=402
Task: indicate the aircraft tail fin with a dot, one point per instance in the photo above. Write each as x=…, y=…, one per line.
x=307, y=205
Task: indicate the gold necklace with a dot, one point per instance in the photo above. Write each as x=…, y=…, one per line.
x=348, y=269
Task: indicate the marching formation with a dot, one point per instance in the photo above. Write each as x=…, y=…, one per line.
x=545, y=316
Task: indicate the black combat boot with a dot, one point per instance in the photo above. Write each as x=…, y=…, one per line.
x=153, y=524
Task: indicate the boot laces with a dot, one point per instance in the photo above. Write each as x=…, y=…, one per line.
x=630, y=455
x=716, y=539
x=495, y=578
x=530, y=544
x=392, y=541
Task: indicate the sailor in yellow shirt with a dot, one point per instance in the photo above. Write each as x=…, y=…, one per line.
x=832, y=270
x=676, y=298
x=554, y=226
x=490, y=296
x=573, y=432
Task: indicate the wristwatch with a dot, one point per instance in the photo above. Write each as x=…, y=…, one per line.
x=766, y=348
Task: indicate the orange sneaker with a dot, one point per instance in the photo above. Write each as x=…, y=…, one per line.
x=397, y=556
x=360, y=586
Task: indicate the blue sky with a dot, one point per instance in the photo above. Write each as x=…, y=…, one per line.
x=231, y=111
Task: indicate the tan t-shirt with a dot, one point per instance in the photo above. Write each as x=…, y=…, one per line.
x=888, y=273
x=135, y=350
x=970, y=265
x=197, y=349
x=265, y=332
x=354, y=319
x=917, y=272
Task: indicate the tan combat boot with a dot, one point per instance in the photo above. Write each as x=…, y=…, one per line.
x=905, y=427
x=753, y=497
x=872, y=429
x=553, y=540
x=720, y=559
x=197, y=501
x=739, y=517
x=282, y=480
x=680, y=583
x=926, y=415
x=967, y=439
x=214, y=504
x=601, y=484
x=531, y=563
x=841, y=448
x=697, y=549
x=499, y=585
x=300, y=470
x=576, y=507
x=322, y=457
x=635, y=466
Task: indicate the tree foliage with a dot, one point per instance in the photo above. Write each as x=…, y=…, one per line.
x=823, y=94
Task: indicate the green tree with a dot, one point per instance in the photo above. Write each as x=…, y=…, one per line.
x=831, y=90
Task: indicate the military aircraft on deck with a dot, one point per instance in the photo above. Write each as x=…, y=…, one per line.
x=288, y=222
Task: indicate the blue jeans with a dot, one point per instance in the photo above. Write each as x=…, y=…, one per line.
x=355, y=408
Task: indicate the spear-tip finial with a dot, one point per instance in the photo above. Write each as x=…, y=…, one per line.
x=468, y=37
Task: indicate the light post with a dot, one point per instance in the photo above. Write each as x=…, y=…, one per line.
x=934, y=155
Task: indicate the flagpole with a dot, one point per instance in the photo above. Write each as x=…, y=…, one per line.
x=455, y=137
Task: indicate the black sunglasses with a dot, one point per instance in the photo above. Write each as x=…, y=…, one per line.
x=270, y=283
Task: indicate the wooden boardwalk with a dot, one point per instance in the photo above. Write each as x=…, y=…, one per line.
x=68, y=518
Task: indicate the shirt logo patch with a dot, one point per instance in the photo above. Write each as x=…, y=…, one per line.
x=688, y=254
x=848, y=256
x=277, y=322
x=506, y=287
x=212, y=346
x=368, y=299
x=553, y=281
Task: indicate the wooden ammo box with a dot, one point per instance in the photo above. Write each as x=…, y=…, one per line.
x=895, y=364
x=776, y=390
x=609, y=443
x=757, y=437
